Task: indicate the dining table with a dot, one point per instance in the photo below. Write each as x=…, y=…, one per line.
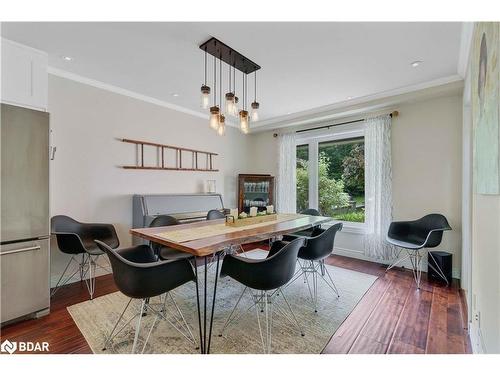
x=207, y=240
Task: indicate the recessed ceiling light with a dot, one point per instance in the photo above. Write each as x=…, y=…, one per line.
x=175, y=95
x=67, y=58
x=414, y=64
x=349, y=97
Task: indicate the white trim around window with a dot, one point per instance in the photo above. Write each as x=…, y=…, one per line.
x=313, y=139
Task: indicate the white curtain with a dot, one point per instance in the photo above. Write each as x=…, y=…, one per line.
x=378, y=187
x=286, y=182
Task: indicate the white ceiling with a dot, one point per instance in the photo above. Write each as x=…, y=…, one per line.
x=304, y=65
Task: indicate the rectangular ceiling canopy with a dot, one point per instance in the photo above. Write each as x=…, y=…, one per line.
x=222, y=51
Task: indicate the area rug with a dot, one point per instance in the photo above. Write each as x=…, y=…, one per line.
x=96, y=318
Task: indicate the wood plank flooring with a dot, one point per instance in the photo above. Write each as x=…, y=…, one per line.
x=392, y=317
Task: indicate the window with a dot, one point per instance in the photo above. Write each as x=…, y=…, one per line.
x=341, y=179
x=331, y=175
x=302, y=177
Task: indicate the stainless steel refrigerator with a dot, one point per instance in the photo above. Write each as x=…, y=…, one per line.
x=24, y=248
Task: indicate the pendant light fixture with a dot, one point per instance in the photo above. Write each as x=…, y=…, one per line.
x=236, y=99
x=235, y=107
x=205, y=90
x=221, y=129
x=230, y=104
x=255, y=105
x=244, y=113
x=218, y=111
x=214, y=117
x=214, y=110
x=230, y=110
x=235, y=111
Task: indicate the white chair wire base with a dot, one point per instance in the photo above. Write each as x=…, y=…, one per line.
x=87, y=265
x=312, y=271
x=265, y=302
x=162, y=311
x=415, y=257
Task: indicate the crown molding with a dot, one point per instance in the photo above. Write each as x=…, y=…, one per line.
x=362, y=105
x=119, y=90
x=131, y=94
x=341, y=109
x=465, y=47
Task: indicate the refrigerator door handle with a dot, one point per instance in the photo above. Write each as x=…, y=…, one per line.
x=31, y=248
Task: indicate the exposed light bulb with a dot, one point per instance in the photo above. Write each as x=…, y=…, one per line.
x=221, y=130
x=214, y=117
x=255, y=111
x=230, y=103
x=205, y=96
x=244, y=121
x=235, y=110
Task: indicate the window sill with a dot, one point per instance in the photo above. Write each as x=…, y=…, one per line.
x=348, y=226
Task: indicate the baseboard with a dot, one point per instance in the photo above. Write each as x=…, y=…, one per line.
x=357, y=254
x=476, y=341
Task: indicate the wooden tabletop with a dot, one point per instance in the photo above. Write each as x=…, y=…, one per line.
x=210, y=245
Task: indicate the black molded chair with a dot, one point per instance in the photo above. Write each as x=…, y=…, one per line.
x=414, y=236
x=164, y=252
x=215, y=214
x=316, y=249
x=75, y=238
x=139, y=275
x=305, y=232
x=264, y=276
x=310, y=211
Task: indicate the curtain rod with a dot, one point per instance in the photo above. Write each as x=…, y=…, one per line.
x=392, y=114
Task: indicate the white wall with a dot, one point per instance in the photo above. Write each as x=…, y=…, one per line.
x=427, y=165
x=426, y=148
x=87, y=182
x=484, y=265
x=486, y=273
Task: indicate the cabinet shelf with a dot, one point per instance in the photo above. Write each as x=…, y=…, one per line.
x=249, y=194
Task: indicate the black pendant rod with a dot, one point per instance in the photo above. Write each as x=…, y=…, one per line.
x=215, y=82
x=230, y=88
x=220, y=85
x=205, y=66
x=244, y=92
x=234, y=80
x=255, y=86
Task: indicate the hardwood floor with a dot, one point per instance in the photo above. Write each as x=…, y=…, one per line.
x=392, y=317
